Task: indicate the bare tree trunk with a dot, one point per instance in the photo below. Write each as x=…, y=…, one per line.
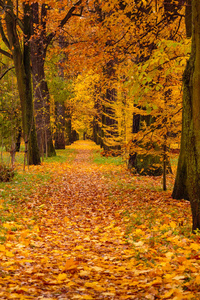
x=41, y=91
x=60, y=126
x=190, y=142
x=23, y=73
x=180, y=187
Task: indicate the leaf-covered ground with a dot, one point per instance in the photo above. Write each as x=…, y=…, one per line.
x=92, y=231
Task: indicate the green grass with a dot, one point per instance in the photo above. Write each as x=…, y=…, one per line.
x=24, y=183
x=103, y=160
x=62, y=156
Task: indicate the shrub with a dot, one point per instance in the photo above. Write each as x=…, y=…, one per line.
x=6, y=173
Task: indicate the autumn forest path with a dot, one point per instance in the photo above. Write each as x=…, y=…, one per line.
x=90, y=234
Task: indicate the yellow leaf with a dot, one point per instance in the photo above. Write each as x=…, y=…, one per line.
x=179, y=277
x=156, y=281
x=169, y=254
x=71, y=283
x=139, y=244
x=61, y=277
x=197, y=279
x=87, y=297
x=79, y=247
x=97, y=269
x=108, y=294
x=95, y=286
x=139, y=232
x=168, y=294
x=195, y=246
x=9, y=254
x=84, y=273
x=172, y=224
x=2, y=248
x=66, y=219
x=134, y=283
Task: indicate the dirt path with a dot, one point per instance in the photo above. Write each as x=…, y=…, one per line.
x=77, y=248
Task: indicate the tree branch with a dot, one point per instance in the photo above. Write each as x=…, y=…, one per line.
x=69, y=14
x=6, y=53
x=4, y=38
x=64, y=21
x=2, y=75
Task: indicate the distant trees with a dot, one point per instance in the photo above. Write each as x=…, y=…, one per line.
x=136, y=46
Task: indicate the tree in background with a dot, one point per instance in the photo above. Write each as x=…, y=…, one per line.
x=83, y=102
x=133, y=37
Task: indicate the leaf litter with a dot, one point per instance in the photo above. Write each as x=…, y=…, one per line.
x=95, y=232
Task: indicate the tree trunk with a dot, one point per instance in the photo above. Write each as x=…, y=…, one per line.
x=18, y=140
x=146, y=164
x=60, y=126
x=23, y=74
x=188, y=18
x=68, y=127
x=60, y=107
x=41, y=91
x=109, y=122
x=180, y=187
x=97, y=130
x=193, y=144
x=190, y=143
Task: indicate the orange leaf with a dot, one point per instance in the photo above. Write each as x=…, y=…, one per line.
x=70, y=264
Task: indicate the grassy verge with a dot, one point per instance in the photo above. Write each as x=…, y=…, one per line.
x=24, y=186
x=104, y=160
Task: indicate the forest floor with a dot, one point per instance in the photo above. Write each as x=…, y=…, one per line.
x=93, y=231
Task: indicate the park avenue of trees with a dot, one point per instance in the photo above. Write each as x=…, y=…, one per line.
x=110, y=71
x=99, y=149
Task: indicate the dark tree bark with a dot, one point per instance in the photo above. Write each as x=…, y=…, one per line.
x=97, y=129
x=41, y=91
x=39, y=47
x=23, y=73
x=74, y=136
x=68, y=127
x=60, y=126
x=180, y=190
x=189, y=160
x=188, y=18
x=18, y=139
